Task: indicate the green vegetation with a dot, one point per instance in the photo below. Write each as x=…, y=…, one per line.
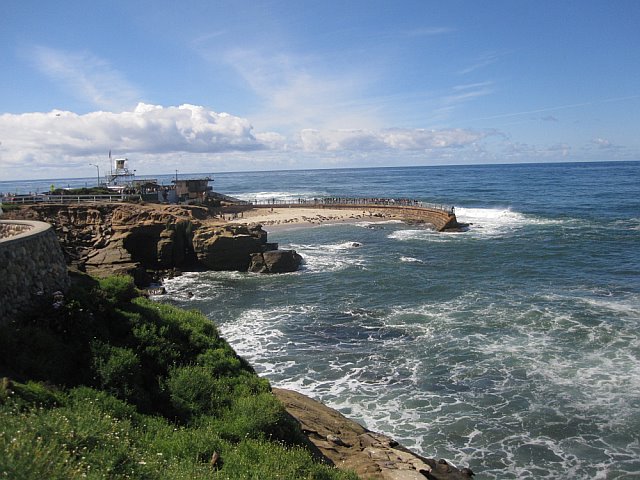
x=112, y=385
x=8, y=207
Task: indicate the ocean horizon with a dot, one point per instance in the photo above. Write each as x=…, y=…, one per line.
x=42, y=185
x=512, y=348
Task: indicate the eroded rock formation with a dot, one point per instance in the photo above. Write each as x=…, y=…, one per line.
x=131, y=239
x=351, y=446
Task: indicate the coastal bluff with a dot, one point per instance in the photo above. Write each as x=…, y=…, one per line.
x=135, y=239
x=125, y=238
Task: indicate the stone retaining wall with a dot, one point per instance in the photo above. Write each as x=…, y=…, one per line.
x=32, y=265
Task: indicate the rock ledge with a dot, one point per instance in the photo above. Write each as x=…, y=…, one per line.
x=351, y=446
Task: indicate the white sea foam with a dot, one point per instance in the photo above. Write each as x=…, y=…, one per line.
x=257, y=335
x=381, y=223
x=485, y=223
x=191, y=286
x=410, y=260
x=413, y=234
x=601, y=300
x=330, y=257
x=278, y=196
x=628, y=224
x=517, y=367
x=492, y=222
x=206, y=286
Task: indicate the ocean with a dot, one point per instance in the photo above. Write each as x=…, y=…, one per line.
x=512, y=348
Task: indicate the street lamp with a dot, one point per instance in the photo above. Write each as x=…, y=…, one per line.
x=98, y=168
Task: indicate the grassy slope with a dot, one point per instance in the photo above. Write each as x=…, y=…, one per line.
x=111, y=385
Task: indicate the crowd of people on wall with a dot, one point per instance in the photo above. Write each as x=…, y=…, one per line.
x=393, y=202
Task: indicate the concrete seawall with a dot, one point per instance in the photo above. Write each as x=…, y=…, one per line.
x=441, y=219
x=32, y=265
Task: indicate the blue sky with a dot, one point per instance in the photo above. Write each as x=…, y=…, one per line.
x=205, y=86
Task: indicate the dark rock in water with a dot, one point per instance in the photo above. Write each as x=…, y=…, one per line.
x=459, y=227
x=224, y=250
x=275, y=261
x=271, y=246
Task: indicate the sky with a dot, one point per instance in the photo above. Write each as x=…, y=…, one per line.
x=216, y=85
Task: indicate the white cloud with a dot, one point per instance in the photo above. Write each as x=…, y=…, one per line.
x=298, y=92
x=41, y=138
x=464, y=93
x=460, y=95
x=61, y=141
x=604, y=146
x=89, y=78
x=483, y=61
x=389, y=139
x=602, y=143
x=527, y=152
x=193, y=138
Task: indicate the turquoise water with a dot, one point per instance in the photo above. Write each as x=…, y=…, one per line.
x=513, y=348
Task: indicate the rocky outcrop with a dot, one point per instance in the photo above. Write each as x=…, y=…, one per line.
x=351, y=446
x=106, y=239
x=275, y=261
x=228, y=247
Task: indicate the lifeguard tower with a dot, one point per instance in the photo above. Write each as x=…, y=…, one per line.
x=120, y=175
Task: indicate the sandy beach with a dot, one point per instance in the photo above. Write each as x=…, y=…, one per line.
x=294, y=216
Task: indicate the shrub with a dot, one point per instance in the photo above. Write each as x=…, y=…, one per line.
x=194, y=390
x=221, y=361
x=259, y=416
x=118, y=289
x=197, y=390
x=118, y=371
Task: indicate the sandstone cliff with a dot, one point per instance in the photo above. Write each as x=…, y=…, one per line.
x=119, y=238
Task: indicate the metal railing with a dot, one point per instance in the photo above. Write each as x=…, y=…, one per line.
x=274, y=202
x=29, y=199
x=355, y=202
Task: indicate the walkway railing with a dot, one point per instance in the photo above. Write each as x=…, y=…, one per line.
x=274, y=202
x=355, y=202
x=20, y=199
